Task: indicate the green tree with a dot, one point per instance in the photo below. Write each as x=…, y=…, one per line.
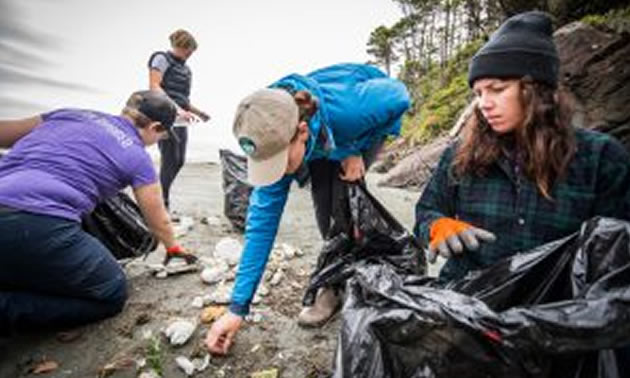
x=381, y=47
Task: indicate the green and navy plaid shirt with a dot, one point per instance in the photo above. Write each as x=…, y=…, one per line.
x=508, y=204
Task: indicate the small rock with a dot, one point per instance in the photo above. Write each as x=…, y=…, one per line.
x=212, y=275
x=254, y=318
x=289, y=251
x=149, y=374
x=185, y=364
x=211, y=313
x=276, y=278
x=185, y=224
x=201, y=364
x=221, y=295
x=257, y=299
x=197, y=302
x=161, y=274
x=211, y=221
x=179, y=331
x=263, y=291
x=270, y=373
x=228, y=249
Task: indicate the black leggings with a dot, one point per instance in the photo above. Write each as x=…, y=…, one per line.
x=173, y=157
x=325, y=181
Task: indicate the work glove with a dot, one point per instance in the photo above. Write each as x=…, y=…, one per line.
x=178, y=252
x=450, y=236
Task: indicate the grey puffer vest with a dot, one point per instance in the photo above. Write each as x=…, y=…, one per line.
x=176, y=80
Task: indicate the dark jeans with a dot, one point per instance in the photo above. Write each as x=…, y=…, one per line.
x=325, y=182
x=173, y=157
x=54, y=275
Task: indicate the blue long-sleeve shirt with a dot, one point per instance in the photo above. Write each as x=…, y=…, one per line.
x=358, y=106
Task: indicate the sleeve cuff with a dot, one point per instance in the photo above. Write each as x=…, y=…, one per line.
x=239, y=309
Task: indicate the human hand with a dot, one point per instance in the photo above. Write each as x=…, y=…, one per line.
x=450, y=236
x=353, y=168
x=178, y=252
x=185, y=116
x=220, y=337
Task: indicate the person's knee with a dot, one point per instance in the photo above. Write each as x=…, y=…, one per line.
x=117, y=295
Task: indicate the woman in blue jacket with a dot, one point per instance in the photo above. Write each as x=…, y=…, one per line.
x=326, y=125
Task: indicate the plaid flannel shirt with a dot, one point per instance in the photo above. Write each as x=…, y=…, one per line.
x=508, y=204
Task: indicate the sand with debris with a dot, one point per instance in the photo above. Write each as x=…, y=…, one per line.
x=133, y=342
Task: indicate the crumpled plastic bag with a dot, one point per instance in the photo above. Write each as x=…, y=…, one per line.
x=561, y=310
x=119, y=224
x=235, y=188
x=362, y=230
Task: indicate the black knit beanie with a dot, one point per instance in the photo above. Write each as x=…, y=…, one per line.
x=522, y=46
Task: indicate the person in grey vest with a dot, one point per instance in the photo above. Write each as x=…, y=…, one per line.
x=168, y=72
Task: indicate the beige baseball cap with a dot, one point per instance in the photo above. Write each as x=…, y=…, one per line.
x=264, y=125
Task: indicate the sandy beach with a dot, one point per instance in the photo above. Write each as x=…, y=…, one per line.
x=132, y=342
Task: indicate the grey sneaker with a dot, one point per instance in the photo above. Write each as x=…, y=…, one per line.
x=326, y=305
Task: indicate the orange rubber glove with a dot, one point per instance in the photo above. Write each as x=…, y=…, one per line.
x=450, y=236
x=178, y=252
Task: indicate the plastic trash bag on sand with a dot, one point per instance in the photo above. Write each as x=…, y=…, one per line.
x=118, y=223
x=560, y=310
x=362, y=230
x=235, y=188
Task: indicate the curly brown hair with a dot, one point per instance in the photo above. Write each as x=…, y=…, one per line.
x=545, y=141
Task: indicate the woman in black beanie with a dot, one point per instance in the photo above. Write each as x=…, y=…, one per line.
x=520, y=175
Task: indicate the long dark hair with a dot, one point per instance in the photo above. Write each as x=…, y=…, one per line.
x=545, y=141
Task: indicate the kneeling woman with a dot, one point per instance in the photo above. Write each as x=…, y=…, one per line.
x=61, y=164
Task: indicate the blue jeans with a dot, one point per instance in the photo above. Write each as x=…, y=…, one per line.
x=54, y=275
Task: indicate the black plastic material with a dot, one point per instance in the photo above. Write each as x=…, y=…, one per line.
x=120, y=226
x=235, y=188
x=362, y=230
x=561, y=310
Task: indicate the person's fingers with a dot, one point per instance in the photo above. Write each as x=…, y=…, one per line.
x=349, y=176
x=215, y=341
x=227, y=343
x=211, y=341
x=484, y=235
x=455, y=244
x=470, y=240
x=444, y=250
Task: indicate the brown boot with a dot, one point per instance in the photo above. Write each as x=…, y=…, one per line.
x=326, y=305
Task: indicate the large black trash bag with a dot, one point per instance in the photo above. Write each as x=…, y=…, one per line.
x=561, y=310
x=235, y=188
x=118, y=223
x=362, y=230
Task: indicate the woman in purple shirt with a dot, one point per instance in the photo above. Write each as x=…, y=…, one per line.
x=60, y=165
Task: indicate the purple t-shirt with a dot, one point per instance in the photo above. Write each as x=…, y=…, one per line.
x=71, y=161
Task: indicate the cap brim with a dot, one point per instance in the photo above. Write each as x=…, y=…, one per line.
x=268, y=171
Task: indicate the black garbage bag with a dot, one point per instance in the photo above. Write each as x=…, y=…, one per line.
x=118, y=223
x=235, y=188
x=362, y=230
x=561, y=310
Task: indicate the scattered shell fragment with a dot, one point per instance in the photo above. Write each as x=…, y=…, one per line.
x=179, y=331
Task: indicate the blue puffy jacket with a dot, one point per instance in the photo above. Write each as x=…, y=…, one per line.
x=358, y=106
